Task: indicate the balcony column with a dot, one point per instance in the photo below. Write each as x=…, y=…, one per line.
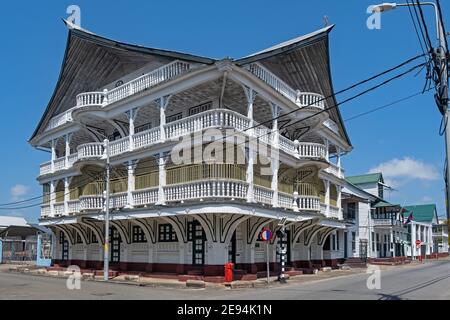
x=276, y=113
x=52, y=198
x=275, y=171
x=339, y=201
x=53, y=143
x=392, y=243
x=131, y=168
x=413, y=241
x=251, y=96
x=162, y=180
x=339, y=164
x=68, y=139
x=67, y=182
x=131, y=115
x=327, y=196
x=163, y=103
x=327, y=148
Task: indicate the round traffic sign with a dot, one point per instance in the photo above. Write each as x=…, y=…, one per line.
x=266, y=235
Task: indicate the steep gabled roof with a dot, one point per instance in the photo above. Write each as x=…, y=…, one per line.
x=423, y=213
x=301, y=62
x=366, y=178
x=91, y=61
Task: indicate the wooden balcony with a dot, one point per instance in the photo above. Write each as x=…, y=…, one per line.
x=136, y=86
x=302, y=99
x=218, y=118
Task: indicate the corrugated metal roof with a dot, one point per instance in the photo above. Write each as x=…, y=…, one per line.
x=366, y=178
x=6, y=221
x=423, y=213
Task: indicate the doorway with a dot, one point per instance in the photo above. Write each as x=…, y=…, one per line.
x=116, y=241
x=198, y=238
x=232, y=249
x=345, y=245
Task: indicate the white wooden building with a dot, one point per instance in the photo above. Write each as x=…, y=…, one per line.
x=193, y=218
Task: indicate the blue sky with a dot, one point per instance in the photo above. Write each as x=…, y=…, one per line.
x=402, y=140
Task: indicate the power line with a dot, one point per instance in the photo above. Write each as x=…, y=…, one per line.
x=284, y=115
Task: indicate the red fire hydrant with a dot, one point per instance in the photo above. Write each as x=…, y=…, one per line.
x=229, y=267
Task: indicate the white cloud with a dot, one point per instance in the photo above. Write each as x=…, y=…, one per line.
x=406, y=169
x=426, y=199
x=19, y=191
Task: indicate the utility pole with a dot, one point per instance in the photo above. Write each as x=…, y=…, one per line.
x=107, y=192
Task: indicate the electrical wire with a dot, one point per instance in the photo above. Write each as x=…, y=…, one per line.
x=284, y=115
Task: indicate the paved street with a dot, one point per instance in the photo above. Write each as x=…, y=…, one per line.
x=430, y=281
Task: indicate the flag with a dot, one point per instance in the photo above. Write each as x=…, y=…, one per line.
x=410, y=219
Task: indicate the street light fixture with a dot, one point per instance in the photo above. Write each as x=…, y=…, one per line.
x=384, y=7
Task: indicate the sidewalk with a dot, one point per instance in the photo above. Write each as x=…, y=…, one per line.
x=136, y=280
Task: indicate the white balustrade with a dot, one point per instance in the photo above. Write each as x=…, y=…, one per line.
x=307, y=203
x=74, y=206
x=119, y=146
x=334, y=212
x=90, y=99
x=60, y=120
x=263, y=195
x=310, y=100
x=323, y=209
x=205, y=120
x=335, y=170
x=273, y=81
x=146, y=138
x=91, y=203
x=90, y=150
x=46, y=168
x=288, y=146
x=59, y=209
x=145, y=197
x=208, y=189
x=147, y=81
x=285, y=201
x=118, y=201
x=72, y=159
x=263, y=134
x=45, y=211
x=60, y=164
x=312, y=150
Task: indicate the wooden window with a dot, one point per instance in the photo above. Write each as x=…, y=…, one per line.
x=333, y=241
x=351, y=211
x=143, y=128
x=338, y=240
x=62, y=237
x=79, y=241
x=373, y=242
x=201, y=108
x=167, y=234
x=138, y=235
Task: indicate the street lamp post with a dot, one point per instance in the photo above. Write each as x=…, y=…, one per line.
x=441, y=54
x=107, y=191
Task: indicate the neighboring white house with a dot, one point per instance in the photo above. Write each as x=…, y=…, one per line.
x=193, y=218
x=380, y=231
x=440, y=238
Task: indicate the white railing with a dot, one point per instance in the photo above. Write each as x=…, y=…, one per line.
x=204, y=190
x=147, y=81
x=308, y=203
x=334, y=212
x=312, y=150
x=91, y=203
x=263, y=195
x=90, y=150
x=285, y=201
x=264, y=134
x=119, y=146
x=288, y=146
x=72, y=159
x=146, y=138
x=302, y=99
x=45, y=211
x=310, y=100
x=90, y=99
x=335, y=170
x=385, y=222
x=60, y=164
x=118, y=200
x=46, y=168
x=273, y=81
x=60, y=120
x=74, y=206
x=145, y=197
x=205, y=120
x=323, y=209
x=59, y=209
